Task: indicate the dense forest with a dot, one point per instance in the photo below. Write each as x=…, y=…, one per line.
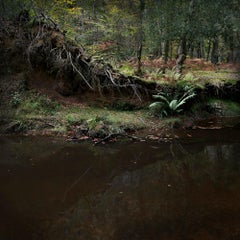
x=151, y=28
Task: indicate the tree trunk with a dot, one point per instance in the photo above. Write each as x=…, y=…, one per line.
x=182, y=49
x=202, y=49
x=3, y=8
x=171, y=50
x=199, y=50
x=208, y=50
x=231, y=48
x=181, y=55
x=214, y=54
x=191, y=50
x=165, y=51
x=139, y=56
x=140, y=37
x=82, y=19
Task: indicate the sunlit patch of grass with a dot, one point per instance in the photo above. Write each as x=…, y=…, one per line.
x=78, y=115
x=127, y=70
x=218, y=78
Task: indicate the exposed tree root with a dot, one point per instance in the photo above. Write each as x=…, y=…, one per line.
x=45, y=46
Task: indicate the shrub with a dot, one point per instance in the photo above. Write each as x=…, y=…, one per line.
x=170, y=104
x=39, y=104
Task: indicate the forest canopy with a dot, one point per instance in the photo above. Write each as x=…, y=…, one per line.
x=120, y=30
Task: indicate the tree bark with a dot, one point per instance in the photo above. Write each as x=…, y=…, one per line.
x=140, y=37
x=181, y=55
x=182, y=49
x=214, y=54
x=208, y=49
x=3, y=7
x=231, y=48
x=165, y=51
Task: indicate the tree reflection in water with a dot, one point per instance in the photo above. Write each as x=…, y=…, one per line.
x=193, y=196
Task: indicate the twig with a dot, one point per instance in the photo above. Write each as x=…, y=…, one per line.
x=115, y=135
x=72, y=186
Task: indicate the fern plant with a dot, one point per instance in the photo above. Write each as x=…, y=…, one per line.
x=170, y=105
x=172, y=75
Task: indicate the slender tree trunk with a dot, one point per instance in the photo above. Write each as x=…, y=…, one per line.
x=182, y=49
x=202, y=49
x=140, y=37
x=96, y=30
x=139, y=56
x=181, y=54
x=171, y=50
x=191, y=51
x=231, y=47
x=82, y=20
x=199, y=52
x=214, y=54
x=165, y=51
x=208, y=50
x=3, y=10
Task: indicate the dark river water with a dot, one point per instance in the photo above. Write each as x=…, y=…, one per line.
x=188, y=189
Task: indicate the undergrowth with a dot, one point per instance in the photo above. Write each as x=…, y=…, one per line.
x=34, y=103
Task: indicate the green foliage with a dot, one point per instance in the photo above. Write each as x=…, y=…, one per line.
x=70, y=119
x=169, y=104
x=123, y=106
x=96, y=121
x=37, y=104
x=126, y=69
x=112, y=27
x=16, y=99
x=223, y=107
x=190, y=80
x=172, y=75
x=189, y=77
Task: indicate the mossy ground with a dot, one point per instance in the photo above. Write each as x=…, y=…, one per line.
x=38, y=111
x=33, y=113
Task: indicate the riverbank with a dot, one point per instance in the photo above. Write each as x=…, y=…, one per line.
x=30, y=106
x=49, y=86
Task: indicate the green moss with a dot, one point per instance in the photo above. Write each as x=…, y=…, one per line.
x=114, y=117
x=231, y=108
x=224, y=107
x=33, y=103
x=231, y=81
x=126, y=70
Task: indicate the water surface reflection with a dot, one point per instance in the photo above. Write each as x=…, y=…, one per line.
x=50, y=189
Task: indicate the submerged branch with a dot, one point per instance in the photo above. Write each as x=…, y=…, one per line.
x=75, y=183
